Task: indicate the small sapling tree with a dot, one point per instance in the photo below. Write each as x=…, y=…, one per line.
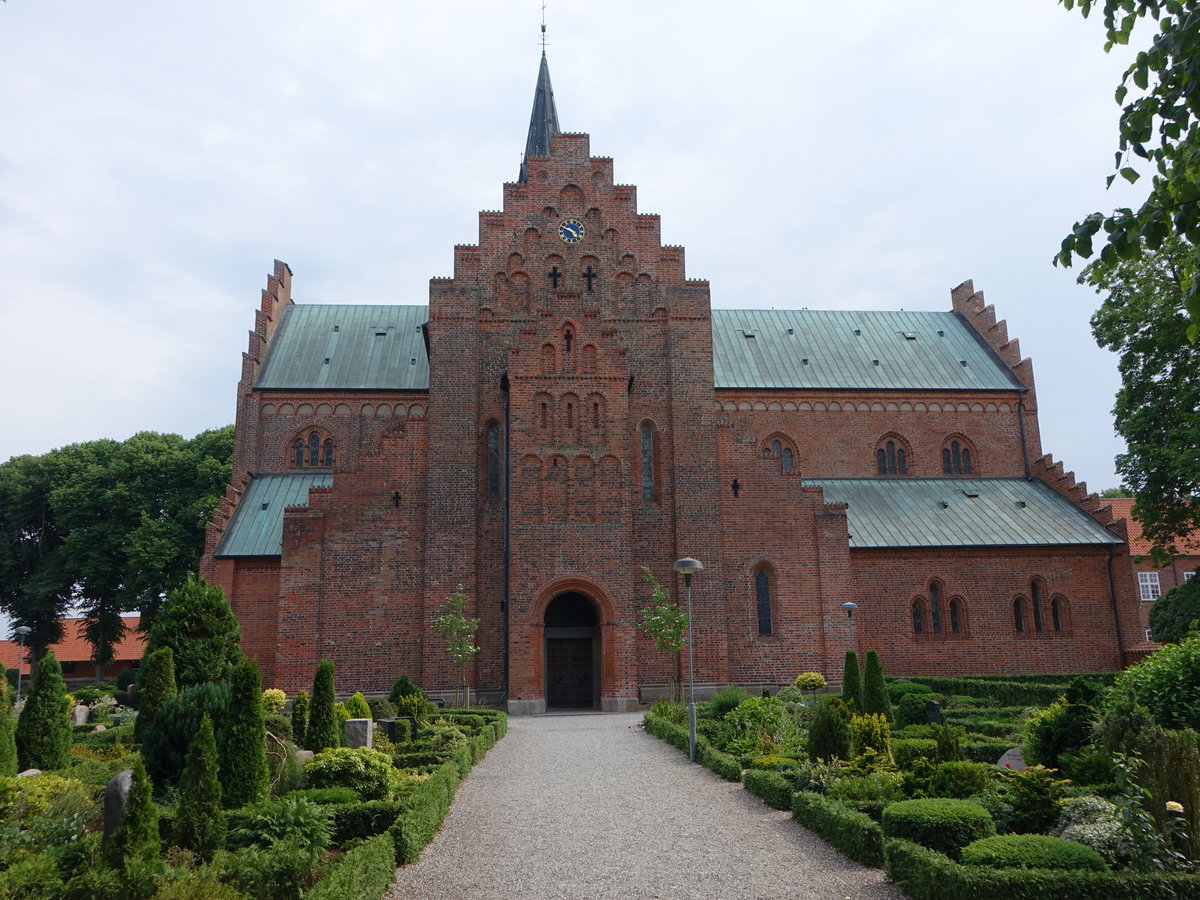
x=666, y=622
x=459, y=633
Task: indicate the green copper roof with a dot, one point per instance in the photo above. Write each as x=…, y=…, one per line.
x=959, y=512
x=348, y=347
x=329, y=346
x=881, y=350
x=257, y=526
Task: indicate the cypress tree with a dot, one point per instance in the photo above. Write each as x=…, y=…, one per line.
x=137, y=835
x=158, y=683
x=852, y=681
x=199, y=819
x=244, y=740
x=875, y=698
x=8, y=741
x=829, y=733
x=300, y=718
x=197, y=623
x=322, y=728
x=357, y=706
x=43, y=732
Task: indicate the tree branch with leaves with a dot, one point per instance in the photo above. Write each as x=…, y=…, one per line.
x=666, y=622
x=459, y=633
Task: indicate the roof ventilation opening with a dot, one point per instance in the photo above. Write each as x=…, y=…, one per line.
x=337, y=328
x=412, y=361
x=972, y=494
x=750, y=334
x=941, y=333
x=380, y=332
x=1021, y=504
x=943, y=504
x=962, y=362
x=265, y=505
x=910, y=335
x=326, y=360
x=874, y=362
x=804, y=361
x=858, y=332
x=791, y=331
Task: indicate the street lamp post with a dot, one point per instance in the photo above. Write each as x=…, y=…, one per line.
x=850, y=606
x=688, y=567
x=21, y=631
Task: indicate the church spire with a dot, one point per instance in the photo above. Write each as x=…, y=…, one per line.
x=543, y=122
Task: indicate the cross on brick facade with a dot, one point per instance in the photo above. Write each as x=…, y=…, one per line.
x=554, y=275
x=591, y=276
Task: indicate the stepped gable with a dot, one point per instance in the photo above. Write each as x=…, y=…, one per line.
x=969, y=304
x=1050, y=471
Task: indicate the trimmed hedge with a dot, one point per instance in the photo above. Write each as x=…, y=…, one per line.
x=725, y=765
x=855, y=834
x=924, y=874
x=770, y=787
x=1031, y=851
x=365, y=820
x=905, y=750
x=940, y=824
x=1004, y=693
x=424, y=811
x=362, y=874
x=422, y=760
x=987, y=751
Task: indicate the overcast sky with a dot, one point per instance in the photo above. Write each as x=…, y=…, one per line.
x=155, y=157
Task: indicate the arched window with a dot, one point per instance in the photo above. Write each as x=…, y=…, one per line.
x=788, y=464
x=568, y=339
x=327, y=456
x=595, y=415
x=918, y=617
x=299, y=458
x=780, y=448
x=956, y=458
x=762, y=599
x=493, y=460
x=1035, y=601
x=314, y=449
x=1018, y=615
x=935, y=607
x=646, y=444
x=955, y=616
x=891, y=458
x=1056, y=613
x=776, y=449
x=570, y=415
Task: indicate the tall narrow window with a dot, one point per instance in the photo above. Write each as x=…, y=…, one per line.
x=299, y=448
x=327, y=457
x=955, y=617
x=881, y=461
x=1018, y=615
x=1035, y=601
x=956, y=459
x=762, y=598
x=787, y=459
x=493, y=461
x=570, y=415
x=890, y=459
x=935, y=607
x=918, y=618
x=1056, y=613
x=777, y=449
x=545, y=420
x=314, y=449
x=646, y=435
x=568, y=339
x=966, y=461
x=596, y=416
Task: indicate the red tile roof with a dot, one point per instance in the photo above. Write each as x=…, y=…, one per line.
x=1139, y=545
x=73, y=647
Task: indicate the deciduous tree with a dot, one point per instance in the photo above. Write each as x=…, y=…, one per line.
x=1177, y=612
x=666, y=622
x=458, y=631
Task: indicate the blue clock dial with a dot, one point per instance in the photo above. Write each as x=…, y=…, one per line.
x=571, y=231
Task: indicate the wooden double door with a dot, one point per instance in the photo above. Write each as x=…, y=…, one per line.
x=572, y=653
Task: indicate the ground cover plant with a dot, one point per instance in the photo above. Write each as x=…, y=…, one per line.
x=1101, y=800
x=219, y=805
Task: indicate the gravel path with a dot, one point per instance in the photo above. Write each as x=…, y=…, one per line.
x=589, y=806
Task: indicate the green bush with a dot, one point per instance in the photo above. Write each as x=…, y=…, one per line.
x=367, y=771
x=31, y=877
x=1094, y=822
x=8, y=724
x=870, y=731
x=243, y=740
x=985, y=751
x=43, y=730
x=949, y=742
x=327, y=795
x=905, y=750
x=962, y=779
x=813, y=776
x=125, y=678
x=414, y=706
x=195, y=621
x=1173, y=613
x=770, y=787
x=852, y=689
x=897, y=689
x=200, y=824
x=300, y=718
x=1031, y=851
x=1028, y=801
x=1167, y=684
x=322, y=729
x=364, y=820
x=362, y=874
x=874, y=696
x=166, y=742
x=288, y=820
x=722, y=764
x=357, y=706
x=876, y=787
x=280, y=870
x=425, y=809
x=1059, y=728
x=944, y=825
x=404, y=687
x=910, y=707
x=1000, y=693
x=726, y=700
x=743, y=728
x=136, y=838
x=158, y=683
x=829, y=732
x=855, y=834
x=381, y=708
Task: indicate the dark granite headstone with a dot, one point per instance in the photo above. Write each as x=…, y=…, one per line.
x=933, y=713
x=116, y=795
x=388, y=727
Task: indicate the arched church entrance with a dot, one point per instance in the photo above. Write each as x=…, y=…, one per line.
x=572, y=653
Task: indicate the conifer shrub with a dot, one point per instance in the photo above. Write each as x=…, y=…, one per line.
x=1031, y=851
x=357, y=706
x=199, y=817
x=243, y=740
x=158, y=683
x=949, y=742
x=874, y=691
x=905, y=750
x=300, y=718
x=196, y=622
x=870, y=731
x=381, y=708
x=414, y=706
x=362, y=874
x=125, y=678
x=404, y=687
x=136, y=838
x=322, y=730
x=166, y=743
x=910, y=709
x=726, y=700
x=852, y=691
x=273, y=701
x=962, y=779
x=829, y=732
x=945, y=825
x=43, y=730
x=8, y=725
x=368, y=772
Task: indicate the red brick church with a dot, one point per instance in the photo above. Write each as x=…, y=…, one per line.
x=570, y=407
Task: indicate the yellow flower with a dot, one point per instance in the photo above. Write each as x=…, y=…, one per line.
x=1174, y=806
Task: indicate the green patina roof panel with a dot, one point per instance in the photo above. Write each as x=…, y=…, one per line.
x=348, y=347
x=257, y=526
x=880, y=350
x=1004, y=512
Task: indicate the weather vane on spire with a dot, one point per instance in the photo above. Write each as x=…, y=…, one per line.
x=543, y=27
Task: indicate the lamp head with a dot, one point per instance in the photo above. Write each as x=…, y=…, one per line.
x=687, y=567
x=22, y=630
x=850, y=606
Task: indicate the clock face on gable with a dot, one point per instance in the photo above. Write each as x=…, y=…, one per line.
x=571, y=231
